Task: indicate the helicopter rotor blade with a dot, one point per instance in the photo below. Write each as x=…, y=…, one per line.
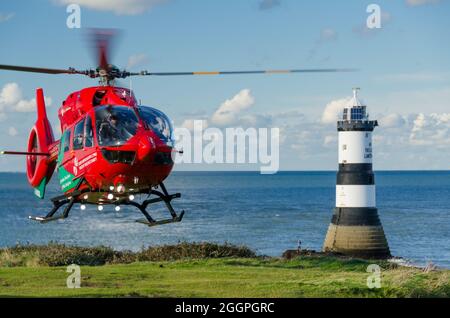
x=329, y=70
x=41, y=70
x=24, y=153
x=102, y=41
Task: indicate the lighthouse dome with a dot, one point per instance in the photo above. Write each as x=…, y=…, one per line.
x=355, y=109
x=356, y=101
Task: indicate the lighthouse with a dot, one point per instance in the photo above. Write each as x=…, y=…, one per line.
x=355, y=227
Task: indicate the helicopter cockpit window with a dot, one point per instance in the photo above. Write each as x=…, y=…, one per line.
x=78, y=136
x=157, y=121
x=66, y=141
x=115, y=125
x=88, y=133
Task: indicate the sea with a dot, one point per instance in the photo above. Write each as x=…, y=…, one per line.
x=268, y=213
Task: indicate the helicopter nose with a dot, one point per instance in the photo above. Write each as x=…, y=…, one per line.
x=146, y=145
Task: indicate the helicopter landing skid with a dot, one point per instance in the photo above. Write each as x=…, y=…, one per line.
x=58, y=202
x=163, y=196
x=161, y=222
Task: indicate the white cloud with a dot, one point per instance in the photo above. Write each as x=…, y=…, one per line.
x=415, y=3
x=12, y=131
x=10, y=95
x=119, y=7
x=255, y=120
x=6, y=16
x=27, y=106
x=234, y=113
x=419, y=123
x=330, y=141
x=228, y=113
x=392, y=121
x=189, y=124
x=137, y=60
x=431, y=130
x=331, y=113
x=11, y=99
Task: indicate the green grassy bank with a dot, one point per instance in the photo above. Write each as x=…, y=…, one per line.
x=204, y=270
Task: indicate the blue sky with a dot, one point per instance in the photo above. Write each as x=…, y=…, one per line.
x=404, y=68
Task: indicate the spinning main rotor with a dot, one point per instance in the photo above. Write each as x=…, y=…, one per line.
x=107, y=72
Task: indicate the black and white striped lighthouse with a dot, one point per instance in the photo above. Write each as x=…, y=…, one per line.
x=355, y=227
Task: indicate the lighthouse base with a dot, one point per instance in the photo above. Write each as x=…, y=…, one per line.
x=357, y=232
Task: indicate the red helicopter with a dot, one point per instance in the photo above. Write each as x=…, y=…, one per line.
x=111, y=148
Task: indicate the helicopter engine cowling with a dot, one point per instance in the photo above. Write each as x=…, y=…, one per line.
x=39, y=168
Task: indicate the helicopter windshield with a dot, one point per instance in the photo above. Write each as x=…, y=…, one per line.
x=115, y=125
x=158, y=122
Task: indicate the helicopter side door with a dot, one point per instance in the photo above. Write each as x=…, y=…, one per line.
x=85, y=152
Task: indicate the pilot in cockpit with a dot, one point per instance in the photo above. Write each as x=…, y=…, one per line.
x=110, y=131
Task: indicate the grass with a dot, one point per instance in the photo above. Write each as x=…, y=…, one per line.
x=55, y=254
x=203, y=270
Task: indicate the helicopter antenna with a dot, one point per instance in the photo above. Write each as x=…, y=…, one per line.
x=131, y=87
